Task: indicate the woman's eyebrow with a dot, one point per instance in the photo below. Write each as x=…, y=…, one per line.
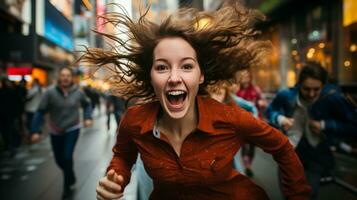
x=160, y=59
x=188, y=58
x=182, y=59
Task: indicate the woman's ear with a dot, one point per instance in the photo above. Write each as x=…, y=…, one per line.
x=202, y=78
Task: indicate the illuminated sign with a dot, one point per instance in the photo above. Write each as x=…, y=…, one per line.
x=349, y=12
x=58, y=29
x=64, y=6
x=19, y=71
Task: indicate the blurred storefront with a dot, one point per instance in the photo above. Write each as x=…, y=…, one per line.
x=322, y=31
x=159, y=9
x=28, y=72
x=40, y=38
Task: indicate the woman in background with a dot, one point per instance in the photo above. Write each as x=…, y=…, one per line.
x=253, y=94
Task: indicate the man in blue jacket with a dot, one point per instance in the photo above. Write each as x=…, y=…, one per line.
x=314, y=115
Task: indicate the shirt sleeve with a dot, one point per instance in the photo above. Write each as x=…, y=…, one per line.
x=275, y=109
x=31, y=93
x=38, y=118
x=124, y=152
x=295, y=186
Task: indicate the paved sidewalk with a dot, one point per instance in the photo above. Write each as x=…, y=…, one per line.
x=33, y=175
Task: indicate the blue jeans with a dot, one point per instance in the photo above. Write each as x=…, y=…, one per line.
x=316, y=161
x=63, y=148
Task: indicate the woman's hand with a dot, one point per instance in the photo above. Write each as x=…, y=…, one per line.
x=110, y=186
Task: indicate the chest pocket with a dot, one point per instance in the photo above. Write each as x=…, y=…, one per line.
x=215, y=164
x=215, y=169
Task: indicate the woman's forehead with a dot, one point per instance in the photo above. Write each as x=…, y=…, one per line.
x=174, y=46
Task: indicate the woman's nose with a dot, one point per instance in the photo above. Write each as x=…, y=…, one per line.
x=174, y=77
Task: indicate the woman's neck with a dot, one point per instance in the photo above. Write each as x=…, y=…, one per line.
x=179, y=128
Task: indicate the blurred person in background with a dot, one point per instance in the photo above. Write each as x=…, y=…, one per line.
x=10, y=110
x=62, y=102
x=340, y=118
x=33, y=99
x=20, y=124
x=114, y=105
x=93, y=96
x=225, y=93
x=186, y=141
x=252, y=93
x=310, y=115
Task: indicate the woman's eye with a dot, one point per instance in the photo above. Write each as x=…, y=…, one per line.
x=161, y=67
x=187, y=67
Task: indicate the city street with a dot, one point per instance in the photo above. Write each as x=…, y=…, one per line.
x=33, y=175
x=290, y=63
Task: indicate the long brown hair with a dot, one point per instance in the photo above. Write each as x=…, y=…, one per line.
x=226, y=44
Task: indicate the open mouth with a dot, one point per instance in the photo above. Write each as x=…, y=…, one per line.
x=176, y=97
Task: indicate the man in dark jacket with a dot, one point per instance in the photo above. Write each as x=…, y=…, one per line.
x=9, y=114
x=314, y=115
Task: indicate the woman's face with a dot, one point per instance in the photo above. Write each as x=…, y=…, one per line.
x=175, y=76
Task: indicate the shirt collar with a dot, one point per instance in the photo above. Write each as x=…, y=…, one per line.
x=205, y=119
x=150, y=114
x=205, y=115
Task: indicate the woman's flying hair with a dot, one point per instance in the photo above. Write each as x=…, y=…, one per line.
x=225, y=42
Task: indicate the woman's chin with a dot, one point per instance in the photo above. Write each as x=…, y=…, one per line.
x=176, y=113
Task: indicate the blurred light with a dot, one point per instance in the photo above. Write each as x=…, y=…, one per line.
x=298, y=65
x=39, y=74
x=353, y=48
x=309, y=55
x=347, y=63
x=203, y=23
x=294, y=53
x=19, y=70
x=291, y=78
x=312, y=50
x=322, y=45
x=293, y=41
x=349, y=12
x=87, y=4
x=19, y=77
x=105, y=86
x=315, y=33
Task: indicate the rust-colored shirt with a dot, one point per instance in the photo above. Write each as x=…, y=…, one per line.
x=204, y=168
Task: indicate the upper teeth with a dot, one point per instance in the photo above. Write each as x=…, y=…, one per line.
x=176, y=92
